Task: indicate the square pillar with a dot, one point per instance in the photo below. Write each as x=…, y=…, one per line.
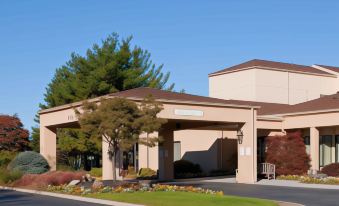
x=48, y=145
x=148, y=156
x=166, y=154
x=314, y=148
x=107, y=169
x=247, y=152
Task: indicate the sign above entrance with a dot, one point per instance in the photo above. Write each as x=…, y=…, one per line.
x=188, y=112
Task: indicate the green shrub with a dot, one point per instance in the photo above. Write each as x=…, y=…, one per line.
x=29, y=163
x=185, y=168
x=96, y=172
x=8, y=176
x=147, y=173
x=6, y=157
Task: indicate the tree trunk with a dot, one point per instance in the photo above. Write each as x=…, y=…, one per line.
x=114, y=166
x=147, y=151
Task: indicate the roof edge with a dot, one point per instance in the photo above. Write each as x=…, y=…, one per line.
x=270, y=68
x=303, y=113
x=76, y=104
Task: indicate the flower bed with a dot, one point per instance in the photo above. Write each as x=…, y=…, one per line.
x=311, y=180
x=130, y=188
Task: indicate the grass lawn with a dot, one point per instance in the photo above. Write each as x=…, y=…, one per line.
x=180, y=199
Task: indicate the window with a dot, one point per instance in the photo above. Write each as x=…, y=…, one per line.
x=261, y=149
x=177, y=150
x=325, y=150
x=307, y=144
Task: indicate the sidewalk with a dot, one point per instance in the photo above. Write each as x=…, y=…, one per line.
x=291, y=183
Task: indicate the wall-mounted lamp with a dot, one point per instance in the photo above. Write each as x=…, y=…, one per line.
x=240, y=136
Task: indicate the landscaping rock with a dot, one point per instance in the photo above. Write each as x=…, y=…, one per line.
x=97, y=184
x=319, y=176
x=74, y=182
x=145, y=183
x=88, y=178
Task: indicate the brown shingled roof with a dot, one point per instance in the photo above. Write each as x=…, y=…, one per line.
x=175, y=96
x=271, y=64
x=328, y=102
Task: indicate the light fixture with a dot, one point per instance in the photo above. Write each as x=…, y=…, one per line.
x=240, y=136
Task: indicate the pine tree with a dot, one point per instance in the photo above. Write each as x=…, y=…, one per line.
x=110, y=67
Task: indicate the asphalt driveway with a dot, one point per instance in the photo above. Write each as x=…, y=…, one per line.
x=305, y=196
x=13, y=198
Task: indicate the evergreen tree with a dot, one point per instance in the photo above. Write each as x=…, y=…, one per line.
x=110, y=67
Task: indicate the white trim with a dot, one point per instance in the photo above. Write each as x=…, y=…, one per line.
x=270, y=118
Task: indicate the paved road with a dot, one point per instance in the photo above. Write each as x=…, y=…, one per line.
x=12, y=198
x=309, y=197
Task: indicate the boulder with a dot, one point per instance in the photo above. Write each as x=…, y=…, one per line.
x=74, y=182
x=97, y=184
x=88, y=178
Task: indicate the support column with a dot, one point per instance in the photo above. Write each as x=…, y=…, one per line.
x=247, y=152
x=107, y=169
x=48, y=145
x=151, y=158
x=314, y=148
x=166, y=153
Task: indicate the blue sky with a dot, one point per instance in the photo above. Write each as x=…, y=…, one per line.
x=191, y=38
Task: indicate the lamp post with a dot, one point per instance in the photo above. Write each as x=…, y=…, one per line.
x=240, y=136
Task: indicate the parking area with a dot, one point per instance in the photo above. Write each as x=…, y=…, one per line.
x=305, y=196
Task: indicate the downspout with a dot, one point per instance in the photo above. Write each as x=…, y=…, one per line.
x=254, y=173
x=221, y=148
x=288, y=87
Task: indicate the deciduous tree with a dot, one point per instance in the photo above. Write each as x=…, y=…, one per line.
x=288, y=153
x=13, y=136
x=119, y=122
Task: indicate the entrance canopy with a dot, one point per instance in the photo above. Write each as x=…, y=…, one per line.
x=183, y=111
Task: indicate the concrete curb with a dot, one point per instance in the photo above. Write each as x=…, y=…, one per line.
x=70, y=197
x=296, y=184
x=282, y=203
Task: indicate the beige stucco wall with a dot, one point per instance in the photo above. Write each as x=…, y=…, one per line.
x=307, y=87
x=236, y=85
x=273, y=86
x=206, y=148
x=311, y=120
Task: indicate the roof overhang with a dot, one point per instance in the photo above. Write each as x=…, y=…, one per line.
x=137, y=99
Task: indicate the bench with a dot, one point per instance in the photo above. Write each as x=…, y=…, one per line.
x=267, y=169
